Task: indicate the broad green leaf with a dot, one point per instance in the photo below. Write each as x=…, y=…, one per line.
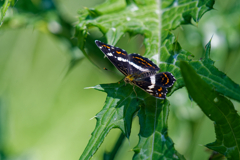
x=140, y=17
x=154, y=142
x=138, y=21
x=217, y=79
x=205, y=68
x=217, y=108
x=144, y=17
x=120, y=106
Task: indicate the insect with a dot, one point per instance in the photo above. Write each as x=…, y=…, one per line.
x=138, y=70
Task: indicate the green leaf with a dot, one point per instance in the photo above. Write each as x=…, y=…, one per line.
x=154, y=142
x=119, y=109
x=217, y=79
x=120, y=106
x=205, y=69
x=217, y=108
x=144, y=17
x=4, y=9
x=134, y=19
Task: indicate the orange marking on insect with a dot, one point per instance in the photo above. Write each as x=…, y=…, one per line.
x=167, y=78
x=160, y=95
x=160, y=89
x=146, y=63
x=118, y=52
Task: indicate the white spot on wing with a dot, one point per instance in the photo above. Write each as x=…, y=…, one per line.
x=122, y=59
x=153, y=80
x=138, y=67
x=149, y=90
x=109, y=54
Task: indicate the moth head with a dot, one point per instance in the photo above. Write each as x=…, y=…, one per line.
x=128, y=79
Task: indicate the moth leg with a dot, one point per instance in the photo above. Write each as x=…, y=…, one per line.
x=135, y=91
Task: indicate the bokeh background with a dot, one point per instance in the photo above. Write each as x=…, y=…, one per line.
x=45, y=112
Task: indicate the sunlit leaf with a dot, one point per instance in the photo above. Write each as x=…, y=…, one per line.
x=119, y=109
x=155, y=23
x=217, y=108
x=120, y=106
x=208, y=72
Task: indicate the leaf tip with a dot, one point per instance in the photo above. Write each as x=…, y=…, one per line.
x=97, y=87
x=88, y=87
x=92, y=12
x=93, y=118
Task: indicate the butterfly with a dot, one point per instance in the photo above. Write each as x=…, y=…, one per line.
x=138, y=70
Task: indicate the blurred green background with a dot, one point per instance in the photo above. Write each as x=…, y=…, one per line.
x=45, y=112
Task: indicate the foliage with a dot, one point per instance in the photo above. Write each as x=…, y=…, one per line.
x=219, y=109
x=3, y=10
x=114, y=19
x=143, y=17
x=45, y=17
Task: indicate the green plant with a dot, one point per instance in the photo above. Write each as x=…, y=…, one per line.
x=45, y=109
x=114, y=18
